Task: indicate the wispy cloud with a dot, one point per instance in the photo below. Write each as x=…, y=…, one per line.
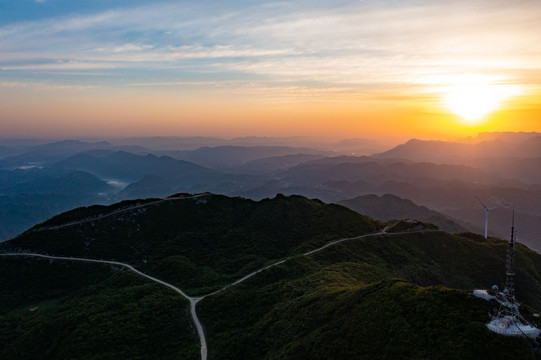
x=69, y=65
x=41, y=85
x=355, y=44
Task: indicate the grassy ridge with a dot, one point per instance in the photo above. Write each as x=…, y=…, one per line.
x=378, y=297
x=95, y=311
x=391, y=319
x=438, y=258
x=343, y=303
x=203, y=243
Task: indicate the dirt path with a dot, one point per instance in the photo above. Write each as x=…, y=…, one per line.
x=195, y=300
x=119, y=211
x=334, y=242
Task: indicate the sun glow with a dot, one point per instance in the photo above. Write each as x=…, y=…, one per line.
x=474, y=102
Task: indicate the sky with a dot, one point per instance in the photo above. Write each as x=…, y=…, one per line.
x=395, y=68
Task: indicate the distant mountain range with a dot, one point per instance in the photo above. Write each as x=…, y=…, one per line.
x=325, y=283
x=124, y=166
x=224, y=157
x=49, y=153
x=500, y=168
x=514, y=145
x=520, y=160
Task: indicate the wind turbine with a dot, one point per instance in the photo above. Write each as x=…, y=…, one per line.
x=486, y=214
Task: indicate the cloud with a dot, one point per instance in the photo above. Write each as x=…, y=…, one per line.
x=71, y=65
x=131, y=47
x=41, y=85
x=362, y=44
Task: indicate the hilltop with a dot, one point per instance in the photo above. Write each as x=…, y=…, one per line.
x=378, y=296
x=202, y=241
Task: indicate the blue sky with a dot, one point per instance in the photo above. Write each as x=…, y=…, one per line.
x=272, y=52
x=305, y=41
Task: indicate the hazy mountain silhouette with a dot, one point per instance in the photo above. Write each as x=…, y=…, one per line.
x=31, y=196
x=448, y=189
x=246, y=169
x=272, y=164
x=6, y=151
x=389, y=207
x=54, y=151
x=71, y=182
x=130, y=167
x=49, y=153
x=149, y=186
x=493, y=155
x=514, y=137
x=376, y=172
x=355, y=146
x=221, y=157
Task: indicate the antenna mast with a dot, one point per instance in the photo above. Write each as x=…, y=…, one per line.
x=509, y=262
x=508, y=321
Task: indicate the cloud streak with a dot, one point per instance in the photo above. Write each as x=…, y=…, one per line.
x=351, y=42
x=278, y=51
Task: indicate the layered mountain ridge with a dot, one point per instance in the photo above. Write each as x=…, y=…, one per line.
x=502, y=169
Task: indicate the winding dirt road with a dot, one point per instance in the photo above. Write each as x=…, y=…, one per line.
x=118, y=211
x=194, y=300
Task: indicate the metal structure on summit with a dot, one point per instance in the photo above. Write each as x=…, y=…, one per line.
x=510, y=262
x=507, y=320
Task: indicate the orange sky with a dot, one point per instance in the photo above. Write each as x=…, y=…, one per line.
x=346, y=69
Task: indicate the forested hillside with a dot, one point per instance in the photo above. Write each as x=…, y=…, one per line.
x=374, y=295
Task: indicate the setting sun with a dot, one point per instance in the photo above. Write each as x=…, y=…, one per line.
x=474, y=102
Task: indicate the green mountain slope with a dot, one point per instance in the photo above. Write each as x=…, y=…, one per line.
x=379, y=296
x=198, y=243
x=345, y=303
x=68, y=310
x=391, y=319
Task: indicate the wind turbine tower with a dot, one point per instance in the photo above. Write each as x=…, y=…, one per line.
x=486, y=214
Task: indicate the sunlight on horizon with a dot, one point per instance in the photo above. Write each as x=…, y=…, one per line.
x=474, y=102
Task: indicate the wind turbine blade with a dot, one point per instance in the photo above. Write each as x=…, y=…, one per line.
x=481, y=203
